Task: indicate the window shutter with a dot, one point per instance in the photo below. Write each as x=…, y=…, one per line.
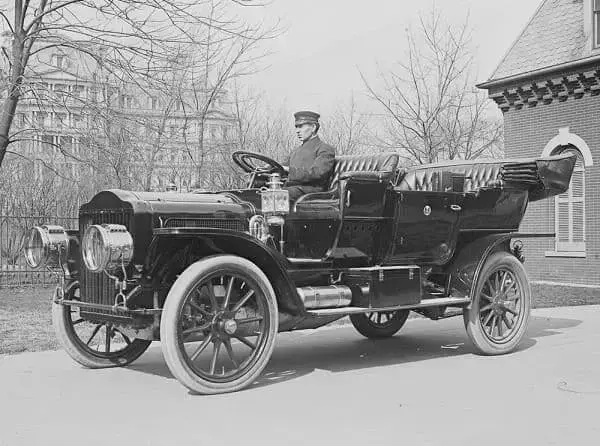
x=578, y=204
x=576, y=188
x=562, y=232
x=596, y=23
x=570, y=210
x=578, y=227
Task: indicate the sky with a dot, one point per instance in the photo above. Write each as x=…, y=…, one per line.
x=315, y=62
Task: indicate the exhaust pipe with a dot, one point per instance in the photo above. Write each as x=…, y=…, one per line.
x=331, y=296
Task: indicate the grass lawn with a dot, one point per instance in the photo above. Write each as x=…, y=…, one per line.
x=26, y=320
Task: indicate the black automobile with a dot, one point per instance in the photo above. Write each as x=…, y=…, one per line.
x=215, y=275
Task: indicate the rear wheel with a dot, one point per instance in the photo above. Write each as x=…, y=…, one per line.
x=499, y=313
x=379, y=325
x=93, y=345
x=219, y=324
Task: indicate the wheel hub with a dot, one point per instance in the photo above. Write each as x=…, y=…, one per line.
x=498, y=304
x=229, y=326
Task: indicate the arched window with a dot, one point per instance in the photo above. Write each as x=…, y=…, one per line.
x=570, y=209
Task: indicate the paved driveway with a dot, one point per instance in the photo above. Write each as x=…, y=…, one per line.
x=329, y=387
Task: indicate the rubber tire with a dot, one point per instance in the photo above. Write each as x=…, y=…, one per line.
x=481, y=342
x=169, y=323
x=61, y=319
x=369, y=330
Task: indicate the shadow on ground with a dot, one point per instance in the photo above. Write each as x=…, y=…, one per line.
x=338, y=350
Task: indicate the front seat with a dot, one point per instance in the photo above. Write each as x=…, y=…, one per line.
x=322, y=203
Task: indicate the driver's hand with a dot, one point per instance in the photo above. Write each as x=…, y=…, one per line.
x=286, y=169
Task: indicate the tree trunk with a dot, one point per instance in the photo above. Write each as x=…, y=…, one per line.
x=10, y=103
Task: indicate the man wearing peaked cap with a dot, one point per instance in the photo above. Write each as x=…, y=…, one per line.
x=302, y=117
x=310, y=164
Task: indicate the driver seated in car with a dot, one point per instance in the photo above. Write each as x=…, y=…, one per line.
x=311, y=164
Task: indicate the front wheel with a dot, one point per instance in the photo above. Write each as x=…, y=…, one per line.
x=93, y=344
x=379, y=325
x=497, y=318
x=219, y=324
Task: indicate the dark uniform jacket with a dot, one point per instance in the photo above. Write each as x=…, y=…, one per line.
x=310, y=165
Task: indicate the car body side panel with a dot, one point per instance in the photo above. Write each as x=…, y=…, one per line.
x=365, y=218
x=307, y=236
x=427, y=224
x=425, y=227
x=493, y=209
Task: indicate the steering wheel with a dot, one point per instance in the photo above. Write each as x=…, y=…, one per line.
x=256, y=163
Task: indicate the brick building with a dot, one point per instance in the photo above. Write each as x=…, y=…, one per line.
x=548, y=88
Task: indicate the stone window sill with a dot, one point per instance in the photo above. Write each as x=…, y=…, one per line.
x=565, y=254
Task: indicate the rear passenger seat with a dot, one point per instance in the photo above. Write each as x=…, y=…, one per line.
x=448, y=176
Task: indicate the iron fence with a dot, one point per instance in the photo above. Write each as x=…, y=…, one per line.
x=14, y=271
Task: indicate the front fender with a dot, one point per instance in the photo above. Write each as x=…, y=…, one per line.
x=219, y=241
x=74, y=260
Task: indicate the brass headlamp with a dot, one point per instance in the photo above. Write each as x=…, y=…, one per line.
x=106, y=247
x=46, y=246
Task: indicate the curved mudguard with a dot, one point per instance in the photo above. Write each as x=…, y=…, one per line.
x=466, y=267
x=222, y=241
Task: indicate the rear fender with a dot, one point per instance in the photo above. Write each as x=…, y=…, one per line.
x=184, y=246
x=466, y=266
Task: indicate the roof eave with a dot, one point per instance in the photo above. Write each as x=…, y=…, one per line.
x=539, y=72
x=514, y=43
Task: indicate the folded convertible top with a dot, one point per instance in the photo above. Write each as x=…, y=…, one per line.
x=544, y=177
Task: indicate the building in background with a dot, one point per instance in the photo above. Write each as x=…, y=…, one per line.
x=548, y=88
x=87, y=124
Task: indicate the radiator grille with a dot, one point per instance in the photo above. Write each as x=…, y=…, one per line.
x=218, y=223
x=98, y=288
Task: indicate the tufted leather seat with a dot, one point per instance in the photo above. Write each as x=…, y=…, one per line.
x=381, y=162
x=437, y=177
x=320, y=202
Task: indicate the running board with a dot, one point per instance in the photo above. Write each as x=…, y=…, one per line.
x=437, y=302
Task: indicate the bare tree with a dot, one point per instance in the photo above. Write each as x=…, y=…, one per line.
x=107, y=134
x=348, y=130
x=431, y=109
x=270, y=132
x=259, y=128
x=256, y=129
x=133, y=40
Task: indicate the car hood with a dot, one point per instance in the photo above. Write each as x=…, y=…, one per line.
x=168, y=202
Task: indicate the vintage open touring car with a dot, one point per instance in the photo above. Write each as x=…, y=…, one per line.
x=215, y=275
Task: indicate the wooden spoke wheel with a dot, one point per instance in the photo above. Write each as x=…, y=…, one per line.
x=219, y=325
x=93, y=344
x=383, y=324
x=498, y=316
